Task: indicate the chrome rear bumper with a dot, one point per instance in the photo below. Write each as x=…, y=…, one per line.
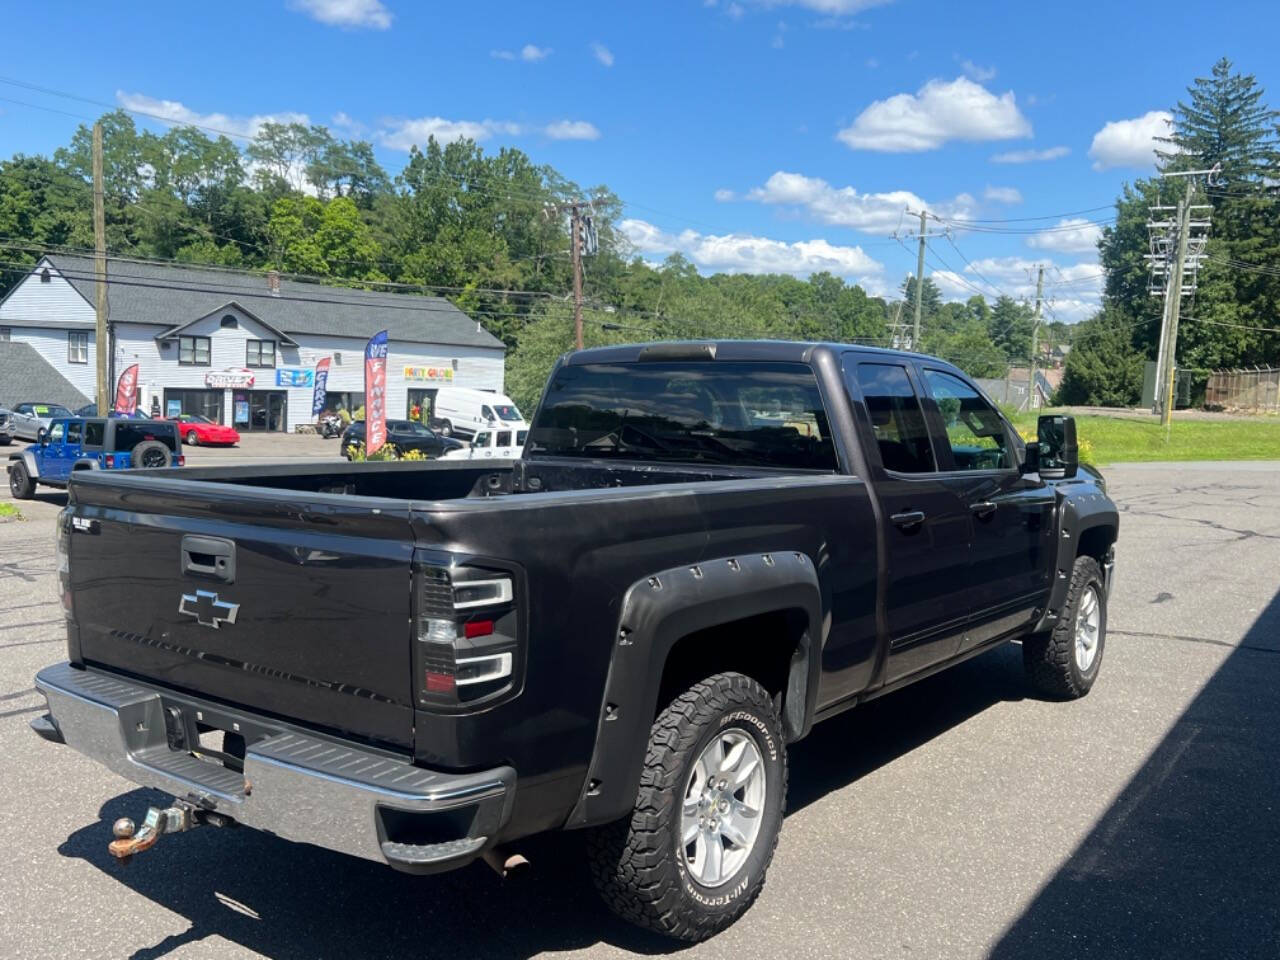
x=299, y=786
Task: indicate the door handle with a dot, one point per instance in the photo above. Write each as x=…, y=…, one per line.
x=982, y=509
x=211, y=557
x=908, y=519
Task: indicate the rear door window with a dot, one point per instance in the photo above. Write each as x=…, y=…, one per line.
x=902, y=437
x=131, y=433
x=975, y=432
x=93, y=430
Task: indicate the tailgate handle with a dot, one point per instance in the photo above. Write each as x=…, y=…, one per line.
x=211, y=557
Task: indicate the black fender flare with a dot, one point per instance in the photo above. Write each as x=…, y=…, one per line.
x=29, y=461
x=658, y=611
x=85, y=464
x=1077, y=513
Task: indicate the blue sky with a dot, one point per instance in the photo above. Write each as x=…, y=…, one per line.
x=782, y=135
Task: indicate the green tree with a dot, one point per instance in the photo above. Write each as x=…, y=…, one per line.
x=1103, y=368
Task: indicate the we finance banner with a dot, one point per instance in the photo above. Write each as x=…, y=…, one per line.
x=127, y=391
x=375, y=392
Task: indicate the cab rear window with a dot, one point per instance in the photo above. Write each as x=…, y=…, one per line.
x=761, y=414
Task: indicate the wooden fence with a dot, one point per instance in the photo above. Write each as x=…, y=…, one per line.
x=1256, y=390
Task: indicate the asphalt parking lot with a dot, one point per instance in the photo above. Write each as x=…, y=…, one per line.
x=960, y=818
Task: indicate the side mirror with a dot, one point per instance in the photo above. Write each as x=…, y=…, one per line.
x=42, y=437
x=1031, y=462
x=1057, y=452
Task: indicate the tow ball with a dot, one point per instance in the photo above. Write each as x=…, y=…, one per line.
x=182, y=816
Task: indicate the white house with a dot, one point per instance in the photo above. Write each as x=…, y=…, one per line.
x=242, y=348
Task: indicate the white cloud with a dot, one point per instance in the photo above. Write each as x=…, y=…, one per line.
x=602, y=53
x=724, y=195
x=571, y=130
x=1007, y=195
x=837, y=8
x=976, y=72
x=940, y=111
x=1072, y=292
x=345, y=13
x=1129, y=143
x=174, y=111
x=403, y=134
x=845, y=206
x=746, y=253
x=528, y=53
x=1070, y=235
x=1031, y=156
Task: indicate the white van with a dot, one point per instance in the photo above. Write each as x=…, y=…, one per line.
x=490, y=445
x=463, y=412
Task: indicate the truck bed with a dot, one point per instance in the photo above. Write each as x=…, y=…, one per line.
x=322, y=632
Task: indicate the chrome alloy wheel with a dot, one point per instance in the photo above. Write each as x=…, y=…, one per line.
x=723, y=802
x=1088, y=626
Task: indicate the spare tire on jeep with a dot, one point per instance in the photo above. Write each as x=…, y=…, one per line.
x=151, y=455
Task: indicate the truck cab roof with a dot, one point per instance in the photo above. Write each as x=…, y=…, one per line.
x=793, y=351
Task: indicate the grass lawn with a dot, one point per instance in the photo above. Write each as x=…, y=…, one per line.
x=9, y=512
x=1120, y=440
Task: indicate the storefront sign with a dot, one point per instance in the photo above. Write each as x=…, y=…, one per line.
x=242, y=411
x=322, y=381
x=235, y=379
x=127, y=391
x=428, y=374
x=375, y=392
x=286, y=377
x=173, y=408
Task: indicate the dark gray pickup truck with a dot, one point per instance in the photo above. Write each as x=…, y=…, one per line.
x=707, y=548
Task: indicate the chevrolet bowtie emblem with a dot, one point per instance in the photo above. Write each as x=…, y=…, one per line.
x=208, y=610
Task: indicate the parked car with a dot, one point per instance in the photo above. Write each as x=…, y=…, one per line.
x=491, y=445
x=84, y=444
x=623, y=631
x=463, y=412
x=405, y=435
x=30, y=418
x=200, y=430
x=6, y=427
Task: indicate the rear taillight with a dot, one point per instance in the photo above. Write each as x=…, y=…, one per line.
x=62, y=550
x=466, y=636
x=111, y=461
x=181, y=460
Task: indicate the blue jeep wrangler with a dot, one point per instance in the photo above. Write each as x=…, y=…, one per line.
x=92, y=443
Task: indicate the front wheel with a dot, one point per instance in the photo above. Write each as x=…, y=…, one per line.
x=1063, y=663
x=20, y=483
x=692, y=856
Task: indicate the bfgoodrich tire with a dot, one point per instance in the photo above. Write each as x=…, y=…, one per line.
x=151, y=455
x=1064, y=662
x=692, y=856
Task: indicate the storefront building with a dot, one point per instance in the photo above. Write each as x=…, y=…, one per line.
x=243, y=349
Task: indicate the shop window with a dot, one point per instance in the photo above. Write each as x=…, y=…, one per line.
x=77, y=346
x=193, y=351
x=259, y=353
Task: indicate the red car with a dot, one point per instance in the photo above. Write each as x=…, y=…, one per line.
x=195, y=429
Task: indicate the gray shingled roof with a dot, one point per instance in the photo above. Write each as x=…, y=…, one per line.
x=169, y=296
x=25, y=375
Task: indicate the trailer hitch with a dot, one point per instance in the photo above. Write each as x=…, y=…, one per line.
x=182, y=816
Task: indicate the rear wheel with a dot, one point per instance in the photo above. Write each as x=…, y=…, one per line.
x=692, y=856
x=1063, y=663
x=20, y=483
x=151, y=455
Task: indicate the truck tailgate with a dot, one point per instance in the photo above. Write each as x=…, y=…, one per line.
x=296, y=607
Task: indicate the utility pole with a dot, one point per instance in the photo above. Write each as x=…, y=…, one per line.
x=582, y=241
x=576, y=240
x=100, y=276
x=1175, y=301
x=1035, y=340
x=915, y=330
